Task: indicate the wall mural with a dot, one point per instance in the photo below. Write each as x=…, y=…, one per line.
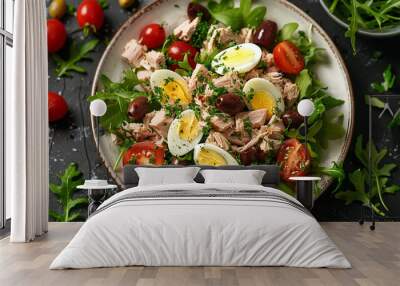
x=233, y=109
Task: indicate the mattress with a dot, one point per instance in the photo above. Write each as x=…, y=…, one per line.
x=201, y=225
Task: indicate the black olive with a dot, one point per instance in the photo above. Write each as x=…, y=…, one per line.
x=230, y=103
x=265, y=34
x=195, y=9
x=292, y=119
x=138, y=108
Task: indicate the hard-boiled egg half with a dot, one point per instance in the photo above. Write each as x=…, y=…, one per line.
x=172, y=86
x=241, y=58
x=184, y=133
x=262, y=94
x=211, y=155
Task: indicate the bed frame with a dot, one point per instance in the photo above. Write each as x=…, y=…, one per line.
x=271, y=177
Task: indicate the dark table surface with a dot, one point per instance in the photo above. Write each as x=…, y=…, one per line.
x=71, y=140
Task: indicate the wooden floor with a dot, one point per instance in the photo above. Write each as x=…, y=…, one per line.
x=375, y=257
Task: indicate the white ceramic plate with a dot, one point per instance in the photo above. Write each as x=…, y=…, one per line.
x=334, y=73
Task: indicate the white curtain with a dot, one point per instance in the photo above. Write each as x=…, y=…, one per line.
x=27, y=124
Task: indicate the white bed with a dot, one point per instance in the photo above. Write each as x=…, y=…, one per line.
x=201, y=225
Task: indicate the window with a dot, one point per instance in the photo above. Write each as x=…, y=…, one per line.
x=6, y=43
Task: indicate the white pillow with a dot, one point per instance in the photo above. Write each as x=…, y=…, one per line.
x=166, y=176
x=245, y=177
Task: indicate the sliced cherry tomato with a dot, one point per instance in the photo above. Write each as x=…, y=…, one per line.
x=288, y=58
x=294, y=159
x=152, y=35
x=177, y=51
x=58, y=107
x=90, y=14
x=144, y=153
x=56, y=35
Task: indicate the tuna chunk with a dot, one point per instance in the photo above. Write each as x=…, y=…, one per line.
x=221, y=123
x=245, y=36
x=218, y=139
x=133, y=52
x=153, y=60
x=268, y=145
x=268, y=58
x=137, y=131
x=290, y=93
x=253, y=74
x=219, y=35
x=160, y=123
x=185, y=30
x=237, y=138
x=230, y=81
x=144, y=75
x=199, y=70
x=275, y=128
x=271, y=134
x=256, y=117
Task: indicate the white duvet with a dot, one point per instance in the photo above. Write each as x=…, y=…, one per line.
x=204, y=231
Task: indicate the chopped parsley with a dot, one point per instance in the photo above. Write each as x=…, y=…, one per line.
x=200, y=34
x=248, y=126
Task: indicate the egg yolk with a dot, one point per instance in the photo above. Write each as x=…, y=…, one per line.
x=237, y=57
x=263, y=100
x=210, y=158
x=176, y=93
x=188, y=127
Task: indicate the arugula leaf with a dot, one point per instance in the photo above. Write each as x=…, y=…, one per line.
x=358, y=179
x=117, y=96
x=185, y=67
x=287, y=31
x=126, y=144
x=311, y=53
x=76, y=54
x=236, y=17
x=256, y=16
x=336, y=172
x=104, y=4
x=388, y=82
x=375, y=102
x=331, y=102
x=353, y=25
x=231, y=17
x=69, y=181
x=206, y=58
x=284, y=187
x=71, y=9
x=368, y=15
x=245, y=7
x=395, y=121
x=304, y=83
x=379, y=184
x=333, y=129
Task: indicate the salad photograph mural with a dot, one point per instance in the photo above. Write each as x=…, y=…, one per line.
x=217, y=91
x=208, y=83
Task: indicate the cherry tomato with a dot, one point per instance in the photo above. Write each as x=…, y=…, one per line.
x=90, y=13
x=294, y=159
x=152, y=35
x=288, y=58
x=58, y=107
x=56, y=35
x=177, y=51
x=144, y=153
